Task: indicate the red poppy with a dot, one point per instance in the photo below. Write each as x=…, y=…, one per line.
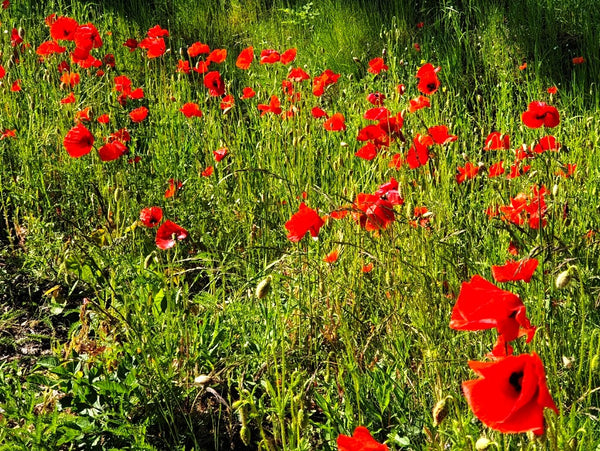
x=245, y=58
x=298, y=74
x=16, y=86
x=168, y=233
x=332, y=257
x=137, y=94
x=377, y=113
x=389, y=191
x=112, y=150
x=538, y=114
x=511, y=394
x=86, y=38
x=155, y=47
x=417, y=47
x=421, y=217
x=157, y=31
x=376, y=65
x=367, y=152
x=274, y=106
x=552, y=90
x=78, y=141
x=15, y=37
x=482, y=305
x=497, y=140
x=8, y=134
x=151, y=216
x=470, y=171
x=568, y=171
x=335, y=123
x=523, y=66
x=288, y=56
x=578, y=60
x=401, y=89
x=139, y=114
x=68, y=99
x=191, y=109
x=220, y=153
x=361, y=440
x=440, y=135
x=365, y=270
x=318, y=113
x=103, y=119
x=214, y=83
x=269, y=56
x=217, y=56
x=546, y=143
x=496, y=169
x=227, y=103
x=248, y=93
x=428, y=79
x=418, y=103
x=120, y=135
x=49, y=48
x=197, y=48
x=70, y=79
x=328, y=77
x=183, y=66
x=396, y=161
x=2, y=72
x=305, y=220
x=375, y=98
x=418, y=154
x=373, y=212
x=512, y=271
x=208, y=171
x=174, y=186
x=131, y=44
x=63, y=28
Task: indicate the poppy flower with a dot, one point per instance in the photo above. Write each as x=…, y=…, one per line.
x=298, y=74
x=361, y=440
x=220, y=153
x=139, y=114
x=373, y=212
x=15, y=37
x=2, y=72
x=70, y=79
x=303, y=221
x=367, y=152
x=318, y=113
x=86, y=38
x=421, y=217
x=8, y=134
x=269, y=56
x=112, y=150
x=248, y=93
x=418, y=103
x=245, y=58
x=396, y=161
x=418, y=153
x=217, y=56
x=274, y=106
x=151, y=216
x=103, y=119
x=523, y=66
x=401, y=89
x=168, y=233
x=552, y=90
x=440, y=135
x=332, y=257
x=157, y=31
x=375, y=98
x=174, y=186
x=496, y=169
x=131, y=44
x=428, y=79
x=389, y=191
x=376, y=65
x=191, y=109
x=68, y=99
x=482, y=305
x=227, y=103
x=365, y=270
x=546, y=143
x=568, y=171
x=538, y=114
x=197, y=48
x=155, y=47
x=497, y=140
x=335, y=123
x=83, y=115
x=377, y=113
x=16, y=86
x=469, y=171
x=63, y=28
x=513, y=271
x=183, y=66
x=208, y=171
x=578, y=60
x=49, y=48
x=288, y=56
x=320, y=82
x=511, y=394
x=120, y=135
x=214, y=83
x=136, y=94
x=78, y=141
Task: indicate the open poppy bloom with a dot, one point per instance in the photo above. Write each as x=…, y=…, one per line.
x=288, y=56
x=482, y=305
x=217, y=56
x=248, y=93
x=151, y=216
x=63, y=28
x=78, y=141
x=245, y=58
x=497, y=140
x=335, y=123
x=191, y=109
x=305, y=220
x=469, y=171
x=168, y=233
x=318, y=113
x=174, y=186
x=139, y=114
x=376, y=65
x=546, y=143
x=367, y=152
x=332, y=257
x=269, y=56
x=511, y=394
x=274, y=106
x=428, y=79
x=220, y=153
x=361, y=440
x=418, y=103
x=373, y=212
x=440, y=135
x=112, y=150
x=49, y=48
x=197, y=48
x=513, y=271
x=298, y=74
x=496, y=169
x=320, y=82
x=214, y=83
x=539, y=114
x=418, y=153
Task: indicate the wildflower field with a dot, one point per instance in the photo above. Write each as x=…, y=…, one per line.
x=280, y=224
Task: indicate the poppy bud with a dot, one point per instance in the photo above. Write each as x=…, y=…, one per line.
x=343, y=144
x=563, y=279
x=595, y=363
x=567, y=361
x=203, y=379
x=263, y=288
x=440, y=410
x=245, y=435
x=482, y=443
x=555, y=190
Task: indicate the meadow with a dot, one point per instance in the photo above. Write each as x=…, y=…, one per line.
x=263, y=224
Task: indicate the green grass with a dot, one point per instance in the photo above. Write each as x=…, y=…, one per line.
x=329, y=347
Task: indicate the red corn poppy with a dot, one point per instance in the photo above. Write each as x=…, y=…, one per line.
x=332, y=257
x=183, y=66
x=512, y=271
x=440, y=135
x=157, y=31
x=335, y=123
x=63, y=28
x=470, y=171
x=112, y=150
x=320, y=82
x=174, y=186
x=546, y=143
x=49, y=48
x=373, y=212
x=68, y=99
x=538, y=114
x=365, y=270
x=273, y=106
x=578, y=60
x=428, y=79
x=511, y=394
x=103, y=119
x=248, y=93
x=151, y=216
x=245, y=58
x=497, y=140
x=197, y=48
x=70, y=79
x=220, y=153
x=78, y=141
x=298, y=74
x=217, y=56
x=269, y=56
x=288, y=56
x=8, y=134
x=367, y=152
x=227, y=103
x=496, y=169
x=303, y=221
x=191, y=109
x=418, y=153
x=139, y=114
x=208, y=171
x=318, y=113
x=568, y=171
x=376, y=98
x=15, y=37
x=16, y=86
x=482, y=305
x=361, y=440
x=131, y=44
x=377, y=113
x=376, y=65
x=214, y=83
x=552, y=90
x=155, y=47
x=168, y=233
x=418, y=103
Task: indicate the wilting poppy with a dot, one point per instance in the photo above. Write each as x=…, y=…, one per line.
x=511, y=394
x=245, y=58
x=538, y=114
x=151, y=216
x=78, y=141
x=303, y=221
x=197, y=48
x=428, y=79
x=214, y=83
x=139, y=114
x=191, y=109
x=288, y=56
x=482, y=305
x=512, y=271
x=168, y=233
x=335, y=123
x=376, y=65
x=361, y=440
